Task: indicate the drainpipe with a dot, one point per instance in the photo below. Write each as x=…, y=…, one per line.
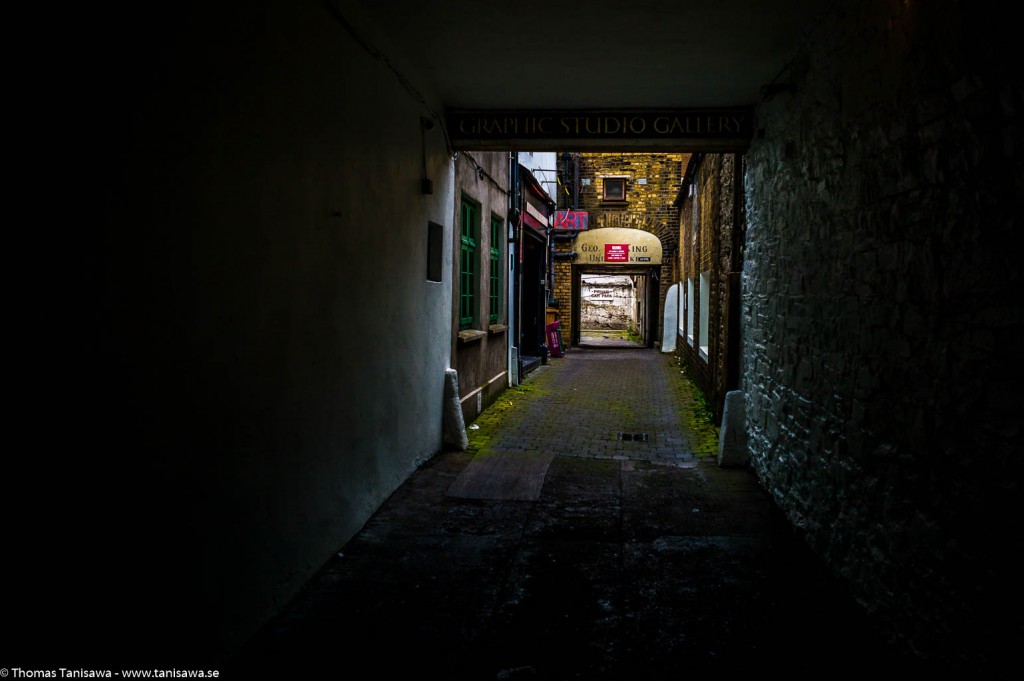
x=565, y=175
x=575, y=183
x=513, y=363
x=551, y=267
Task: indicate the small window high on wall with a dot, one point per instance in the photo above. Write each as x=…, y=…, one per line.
x=614, y=188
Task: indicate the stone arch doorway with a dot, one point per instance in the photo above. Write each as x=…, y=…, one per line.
x=622, y=251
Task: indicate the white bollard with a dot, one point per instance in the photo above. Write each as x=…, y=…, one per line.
x=732, y=438
x=452, y=423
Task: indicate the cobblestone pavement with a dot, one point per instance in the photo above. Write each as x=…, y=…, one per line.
x=594, y=402
x=639, y=559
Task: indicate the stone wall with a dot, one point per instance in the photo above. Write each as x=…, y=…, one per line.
x=606, y=303
x=603, y=315
x=882, y=316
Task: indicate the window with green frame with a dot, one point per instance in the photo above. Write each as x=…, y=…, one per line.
x=497, y=236
x=468, y=285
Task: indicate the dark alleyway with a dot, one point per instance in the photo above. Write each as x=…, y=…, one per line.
x=236, y=368
x=554, y=549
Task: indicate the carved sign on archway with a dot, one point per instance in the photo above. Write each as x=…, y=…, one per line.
x=721, y=129
x=617, y=246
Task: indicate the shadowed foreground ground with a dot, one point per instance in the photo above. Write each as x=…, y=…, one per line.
x=554, y=549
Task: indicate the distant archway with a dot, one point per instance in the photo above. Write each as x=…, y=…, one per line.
x=623, y=251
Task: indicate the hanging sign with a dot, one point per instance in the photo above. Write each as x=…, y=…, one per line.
x=571, y=220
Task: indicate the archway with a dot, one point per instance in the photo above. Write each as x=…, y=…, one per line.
x=619, y=252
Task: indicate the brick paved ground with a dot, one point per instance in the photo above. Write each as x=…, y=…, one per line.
x=579, y=405
x=636, y=561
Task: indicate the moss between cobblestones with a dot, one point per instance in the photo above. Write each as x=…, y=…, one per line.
x=483, y=428
x=526, y=389
x=693, y=409
x=696, y=414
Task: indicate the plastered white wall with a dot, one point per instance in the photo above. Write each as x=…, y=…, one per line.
x=272, y=352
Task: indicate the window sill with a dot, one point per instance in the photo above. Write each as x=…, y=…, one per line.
x=470, y=336
x=495, y=329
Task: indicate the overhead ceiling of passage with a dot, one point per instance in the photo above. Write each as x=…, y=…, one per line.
x=590, y=54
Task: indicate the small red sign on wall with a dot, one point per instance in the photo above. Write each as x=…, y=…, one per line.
x=616, y=252
x=571, y=220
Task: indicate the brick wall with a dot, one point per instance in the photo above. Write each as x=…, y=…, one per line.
x=882, y=317
x=563, y=289
x=714, y=177
x=648, y=206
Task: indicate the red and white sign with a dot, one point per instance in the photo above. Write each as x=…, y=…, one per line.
x=536, y=214
x=616, y=252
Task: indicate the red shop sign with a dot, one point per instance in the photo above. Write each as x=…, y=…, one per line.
x=571, y=220
x=616, y=252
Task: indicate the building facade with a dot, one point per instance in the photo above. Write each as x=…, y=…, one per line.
x=711, y=238
x=480, y=279
x=620, y=191
x=532, y=213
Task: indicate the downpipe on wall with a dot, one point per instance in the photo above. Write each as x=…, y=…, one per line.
x=513, y=363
